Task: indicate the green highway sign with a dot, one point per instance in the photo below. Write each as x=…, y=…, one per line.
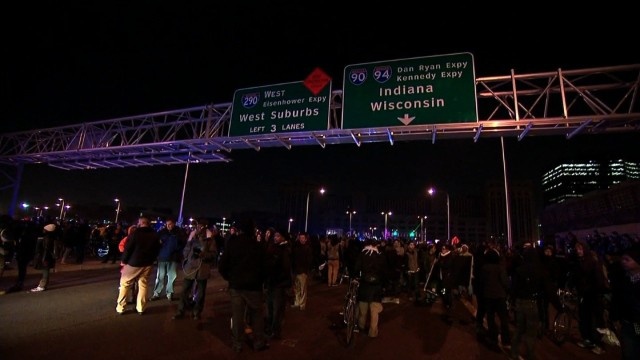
x=417, y=91
x=281, y=108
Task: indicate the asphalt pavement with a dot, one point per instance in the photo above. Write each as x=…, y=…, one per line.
x=75, y=318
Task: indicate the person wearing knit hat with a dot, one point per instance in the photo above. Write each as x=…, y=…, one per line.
x=625, y=302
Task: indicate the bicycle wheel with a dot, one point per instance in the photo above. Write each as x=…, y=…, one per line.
x=350, y=320
x=561, y=327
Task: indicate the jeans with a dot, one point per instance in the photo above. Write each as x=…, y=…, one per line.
x=187, y=294
x=251, y=301
x=165, y=269
x=498, y=307
x=527, y=324
x=276, y=304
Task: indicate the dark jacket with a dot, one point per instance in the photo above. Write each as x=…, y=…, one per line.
x=587, y=275
x=625, y=296
x=302, y=257
x=528, y=279
x=371, y=262
x=142, y=248
x=495, y=282
x=243, y=263
x=279, y=265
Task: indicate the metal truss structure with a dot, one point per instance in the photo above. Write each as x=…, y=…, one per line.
x=567, y=102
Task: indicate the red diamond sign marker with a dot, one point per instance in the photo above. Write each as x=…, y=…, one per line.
x=317, y=80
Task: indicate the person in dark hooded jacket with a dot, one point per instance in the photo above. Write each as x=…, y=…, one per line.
x=495, y=286
x=244, y=265
x=527, y=289
x=374, y=269
x=587, y=278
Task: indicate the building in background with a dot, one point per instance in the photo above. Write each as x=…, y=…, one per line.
x=572, y=180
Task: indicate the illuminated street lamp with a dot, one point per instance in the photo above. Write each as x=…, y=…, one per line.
x=117, y=209
x=289, y=227
x=61, y=204
x=350, y=213
x=66, y=209
x=306, y=217
x=224, y=225
x=386, y=215
x=431, y=192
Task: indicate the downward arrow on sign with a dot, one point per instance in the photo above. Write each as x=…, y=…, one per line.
x=406, y=119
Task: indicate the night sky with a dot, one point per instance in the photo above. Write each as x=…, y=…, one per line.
x=68, y=65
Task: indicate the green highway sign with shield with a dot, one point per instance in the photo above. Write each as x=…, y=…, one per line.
x=281, y=108
x=416, y=91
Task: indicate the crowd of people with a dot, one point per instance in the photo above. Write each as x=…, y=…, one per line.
x=513, y=290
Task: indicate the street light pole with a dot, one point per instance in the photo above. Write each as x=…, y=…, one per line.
x=306, y=216
x=432, y=191
x=61, y=208
x=117, y=209
x=448, y=220
x=422, y=232
x=386, y=214
x=350, y=213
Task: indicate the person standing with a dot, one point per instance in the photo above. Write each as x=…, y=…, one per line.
x=527, y=289
x=7, y=241
x=413, y=271
x=133, y=295
x=26, y=234
x=495, y=287
x=625, y=309
x=446, y=273
x=302, y=262
x=373, y=266
x=588, y=278
x=140, y=252
x=243, y=266
x=199, y=255
x=44, y=258
x=172, y=241
x=334, y=251
x=114, y=235
x=278, y=281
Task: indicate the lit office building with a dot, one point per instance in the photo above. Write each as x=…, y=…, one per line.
x=575, y=179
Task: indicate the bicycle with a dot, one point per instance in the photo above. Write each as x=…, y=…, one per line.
x=350, y=310
x=564, y=318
